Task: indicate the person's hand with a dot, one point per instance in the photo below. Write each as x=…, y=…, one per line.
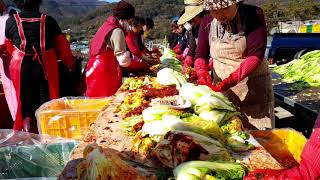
x=179, y=57
x=150, y=61
x=185, y=52
x=222, y=86
x=192, y=76
x=187, y=63
x=200, y=64
x=156, y=52
x=26, y=124
x=201, y=67
x=4, y=54
x=137, y=65
x=204, y=77
x=216, y=88
x=3, y=48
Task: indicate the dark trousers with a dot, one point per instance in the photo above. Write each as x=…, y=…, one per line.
x=34, y=90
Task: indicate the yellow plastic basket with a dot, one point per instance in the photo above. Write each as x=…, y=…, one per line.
x=69, y=117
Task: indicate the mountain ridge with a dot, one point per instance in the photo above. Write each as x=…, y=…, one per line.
x=160, y=10
x=84, y=17
x=61, y=9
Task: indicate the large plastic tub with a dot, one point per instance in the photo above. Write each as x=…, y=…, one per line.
x=69, y=117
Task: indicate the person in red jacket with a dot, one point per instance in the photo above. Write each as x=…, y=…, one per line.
x=309, y=168
x=30, y=72
x=132, y=40
x=108, y=54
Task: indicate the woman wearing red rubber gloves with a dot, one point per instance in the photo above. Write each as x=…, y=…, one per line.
x=191, y=20
x=108, y=53
x=132, y=40
x=309, y=168
x=237, y=40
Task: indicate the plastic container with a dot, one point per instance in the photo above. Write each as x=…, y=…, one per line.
x=31, y=156
x=69, y=117
x=316, y=28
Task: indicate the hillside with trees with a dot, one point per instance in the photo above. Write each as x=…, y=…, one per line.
x=83, y=27
x=161, y=11
x=279, y=10
x=61, y=9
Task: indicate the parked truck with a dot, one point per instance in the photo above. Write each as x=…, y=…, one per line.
x=288, y=46
x=302, y=102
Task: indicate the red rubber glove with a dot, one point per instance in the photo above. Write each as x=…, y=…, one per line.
x=176, y=49
x=245, y=69
x=136, y=66
x=192, y=76
x=6, y=50
x=187, y=63
x=217, y=88
x=179, y=57
x=3, y=49
x=201, y=67
x=155, y=50
x=10, y=46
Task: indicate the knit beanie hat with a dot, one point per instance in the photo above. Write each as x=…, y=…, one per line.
x=123, y=10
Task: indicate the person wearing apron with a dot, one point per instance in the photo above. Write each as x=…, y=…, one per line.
x=29, y=72
x=237, y=40
x=132, y=40
x=108, y=54
x=191, y=19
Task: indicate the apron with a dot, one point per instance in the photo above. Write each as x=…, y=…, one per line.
x=11, y=69
x=254, y=94
x=8, y=87
x=103, y=75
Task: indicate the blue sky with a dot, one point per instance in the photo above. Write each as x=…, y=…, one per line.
x=110, y=0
